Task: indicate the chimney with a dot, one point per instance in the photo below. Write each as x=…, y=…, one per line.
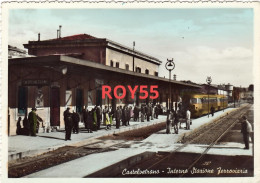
x=39, y=36
x=60, y=31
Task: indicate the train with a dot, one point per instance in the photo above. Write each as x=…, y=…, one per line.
x=200, y=104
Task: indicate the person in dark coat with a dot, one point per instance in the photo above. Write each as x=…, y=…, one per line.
x=169, y=121
x=121, y=113
x=85, y=117
x=212, y=110
x=99, y=116
x=176, y=121
x=128, y=116
x=76, y=119
x=117, y=117
x=68, y=123
x=135, y=113
x=123, y=117
x=26, y=126
x=156, y=112
x=18, y=127
x=246, y=129
x=105, y=111
x=32, y=118
x=142, y=113
x=90, y=121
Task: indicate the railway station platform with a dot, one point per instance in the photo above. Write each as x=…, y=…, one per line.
x=157, y=142
x=22, y=146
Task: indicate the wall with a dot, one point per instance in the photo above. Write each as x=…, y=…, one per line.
x=95, y=53
x=123, y=59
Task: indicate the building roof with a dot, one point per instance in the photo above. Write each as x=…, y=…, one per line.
x=58, y=60
x=86, y=39
x=75, y=37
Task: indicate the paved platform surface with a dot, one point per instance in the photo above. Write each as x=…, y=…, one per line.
x=159, y=141
x=20, y=146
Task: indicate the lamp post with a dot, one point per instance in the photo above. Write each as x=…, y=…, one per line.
x=208, y=80
x=170, y=66
x=223, y=96
x=134, y=56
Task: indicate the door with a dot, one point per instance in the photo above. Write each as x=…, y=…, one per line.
x=55, y=107
x=79, y=100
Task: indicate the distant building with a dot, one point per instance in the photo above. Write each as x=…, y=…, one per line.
x=14, y=52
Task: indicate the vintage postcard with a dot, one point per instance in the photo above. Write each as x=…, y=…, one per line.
x=128, y=91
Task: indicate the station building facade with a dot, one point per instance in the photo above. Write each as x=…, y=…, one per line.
x=58, y=76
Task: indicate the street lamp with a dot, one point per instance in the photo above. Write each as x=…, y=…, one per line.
x=170, y=66
x=134, y=56
x=208, y=80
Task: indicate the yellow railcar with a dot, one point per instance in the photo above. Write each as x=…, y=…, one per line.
x=200, y=104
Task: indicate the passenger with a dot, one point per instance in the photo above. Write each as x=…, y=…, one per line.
x=176, y=121
x=169, y=121
x=68, y=123
x=136, y=112
x=76, y=119
x=246, y=130
x=94, y=118
x=118, y=117
x=85, y=116
x=188, y=114
x=18, y=127
x=26, y=126
x=142, y=113
x=104, y=115
x=128, y=116
x=111, y=116
x=121, y=113
x=99, y=117
x=90, y=121
x=32, y=117
x=212, y=110
x=108, y=125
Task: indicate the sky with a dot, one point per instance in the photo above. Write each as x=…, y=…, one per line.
x=202, y=42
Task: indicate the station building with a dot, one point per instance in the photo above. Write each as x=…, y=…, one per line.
x=70, y=71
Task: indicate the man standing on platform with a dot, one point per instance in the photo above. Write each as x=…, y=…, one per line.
x=68, y=123
x=76, y=119
x=188, y=119
x=246, y=129
x=118, y=117
x=32, y=118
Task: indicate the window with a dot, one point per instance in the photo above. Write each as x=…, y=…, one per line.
x=127, y=67
x=156, y=73
x=79, y=100
x=138, y=69
x=117, y=64
x=146, y=71
x=193, y=101
x=22, y=100
x=111, y=63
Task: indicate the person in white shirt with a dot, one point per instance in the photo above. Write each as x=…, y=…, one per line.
x=188, y=114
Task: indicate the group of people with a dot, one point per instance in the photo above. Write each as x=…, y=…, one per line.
x=174, y=117
x=93, y=117
x=30, y=124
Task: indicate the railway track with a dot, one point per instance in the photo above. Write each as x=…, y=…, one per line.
x=206, y=136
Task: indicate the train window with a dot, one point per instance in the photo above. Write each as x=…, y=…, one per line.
x=199, y=101
x=193, y=101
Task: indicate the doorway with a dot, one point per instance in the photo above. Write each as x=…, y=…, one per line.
x=55, y=106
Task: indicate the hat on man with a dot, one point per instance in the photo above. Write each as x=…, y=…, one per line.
x=34, y=109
